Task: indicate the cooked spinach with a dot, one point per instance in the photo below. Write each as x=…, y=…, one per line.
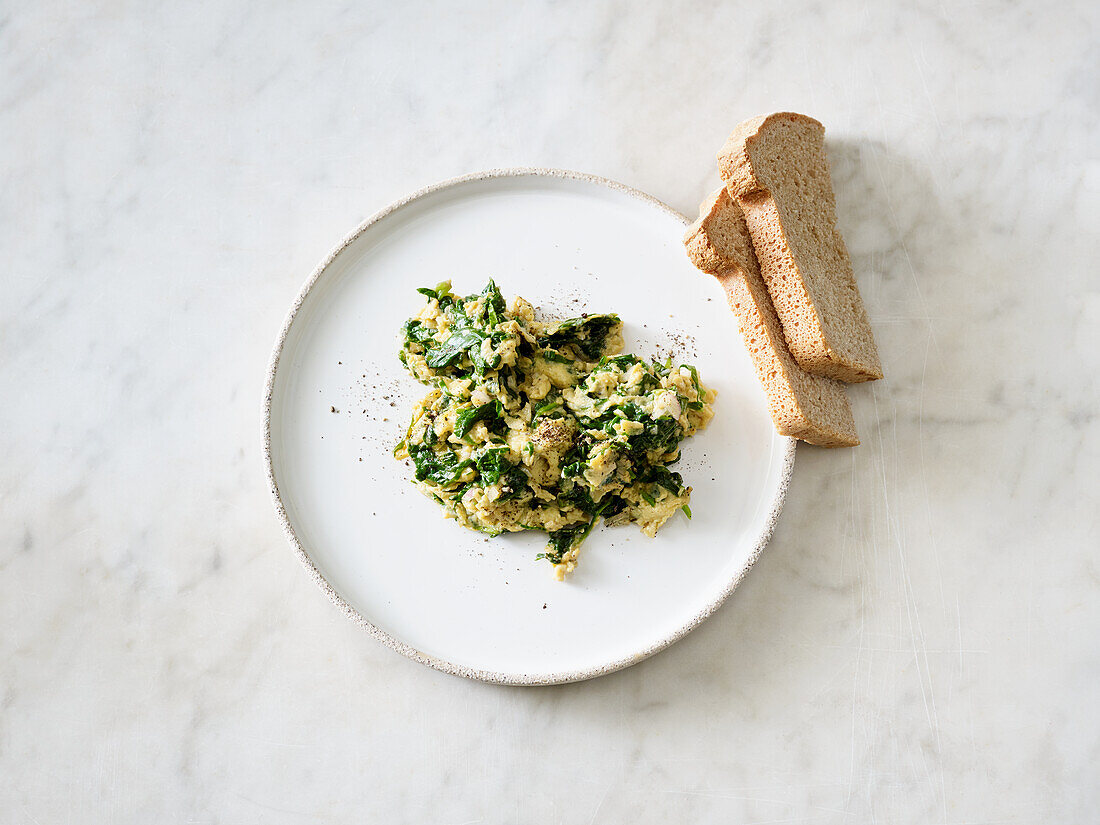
x=695, y=405
x=546, y=408
x=473, y=347
x=491, y=412
x=661, y=476
x=623, y=362
x=579, y=497
x=460, y=342
x=513, y=481
x=659, y=434
x=555, y=356
x=491, y=463
x=493, y=466
x=417, y=333
x=587, y=333
x=441, y=468
x=494, y=306
x=562, y=541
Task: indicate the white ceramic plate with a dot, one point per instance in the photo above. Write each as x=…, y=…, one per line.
x=338, y=400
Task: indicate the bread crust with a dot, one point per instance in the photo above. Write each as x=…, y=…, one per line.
x=790, y=211
x=808, y=407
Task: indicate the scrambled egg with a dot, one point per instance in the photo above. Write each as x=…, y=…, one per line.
x=544, y=426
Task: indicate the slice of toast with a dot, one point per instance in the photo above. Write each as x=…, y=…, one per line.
x=775, y=167
x=809, y=407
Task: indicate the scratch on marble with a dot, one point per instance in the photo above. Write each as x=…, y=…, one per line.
x=915, y=628
x=959, y=631
x=599, y=804
x=723, y=795
x=918, y=60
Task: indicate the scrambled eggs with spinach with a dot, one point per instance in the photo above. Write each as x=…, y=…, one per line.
x=544, y=426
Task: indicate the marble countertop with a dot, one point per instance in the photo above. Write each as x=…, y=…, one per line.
x=919, y=642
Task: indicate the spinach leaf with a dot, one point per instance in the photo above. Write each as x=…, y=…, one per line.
x=561, y=542
x=417, y=333
x=546, y=408
x=494, y=467
x=579, y=497
x=456, y=345
x=662, y=477
x=513, y=483
x=587, y=334
x=430, y=437
x=564, y=540
x=494, y=303
x=553, y=355
x=480, y=362
x=578, y=453
x=461, y=491
x=612, y=506
x=441, y=468
x=465, y=339
x=659, y=434
x=491, y=464
x=623, y=362
x=491, y=412
x=698, y=386
x=441, y=293
x=573, y=470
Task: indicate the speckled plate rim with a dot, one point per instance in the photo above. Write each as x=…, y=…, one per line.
x=493, y=677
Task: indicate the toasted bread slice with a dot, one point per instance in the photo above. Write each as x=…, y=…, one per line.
x=809, y=407
x=775, y=167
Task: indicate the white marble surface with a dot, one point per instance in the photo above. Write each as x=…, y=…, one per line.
x=919, y=644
